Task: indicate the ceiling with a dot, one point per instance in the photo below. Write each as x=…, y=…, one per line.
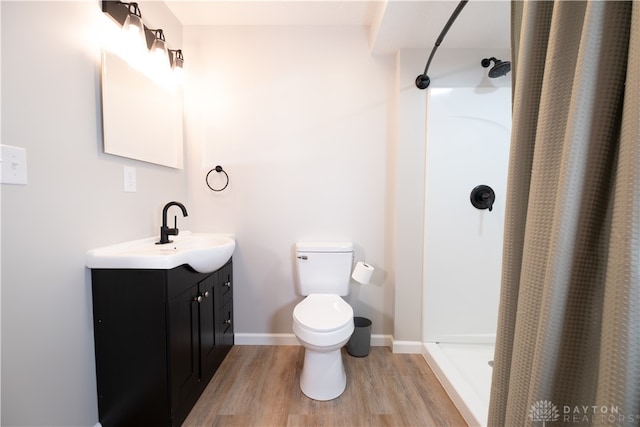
x=396, y=23
x=265, y=12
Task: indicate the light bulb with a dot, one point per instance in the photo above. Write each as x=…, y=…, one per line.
x=134, y=40
x=133, y=25
x=177, y=66
x=160, y=53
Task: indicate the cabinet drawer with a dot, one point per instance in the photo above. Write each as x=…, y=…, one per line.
x=224, y=292
x=226, y=336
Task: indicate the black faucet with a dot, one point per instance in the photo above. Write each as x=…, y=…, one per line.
x=165, y=231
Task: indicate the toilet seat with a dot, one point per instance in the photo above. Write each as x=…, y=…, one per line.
x=323, y=323
x=323, y=313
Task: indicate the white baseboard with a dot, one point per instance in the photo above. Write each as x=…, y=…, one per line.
x=265, y=339
x=407, y=347
x=377, y=340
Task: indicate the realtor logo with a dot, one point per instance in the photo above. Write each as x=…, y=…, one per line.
x=544, y=410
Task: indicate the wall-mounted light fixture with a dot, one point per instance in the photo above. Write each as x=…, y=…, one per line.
x=134, y=39
x=129, y=16
x=177, y=61
x=133, y=23
x=159, y=51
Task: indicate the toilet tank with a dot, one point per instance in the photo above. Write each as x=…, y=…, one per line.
x=324, y=267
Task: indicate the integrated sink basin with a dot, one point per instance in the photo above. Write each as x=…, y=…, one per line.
x=204, y=252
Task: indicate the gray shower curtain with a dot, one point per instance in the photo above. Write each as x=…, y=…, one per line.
x=568, y=342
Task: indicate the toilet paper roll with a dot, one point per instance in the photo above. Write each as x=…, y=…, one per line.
x=362, y=273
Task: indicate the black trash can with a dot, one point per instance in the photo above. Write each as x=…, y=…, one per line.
x=360, y=342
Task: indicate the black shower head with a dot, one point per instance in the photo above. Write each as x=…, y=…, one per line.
x=499, y=69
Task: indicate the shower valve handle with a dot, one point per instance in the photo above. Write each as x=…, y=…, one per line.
x=486, y=197
x=483, y=197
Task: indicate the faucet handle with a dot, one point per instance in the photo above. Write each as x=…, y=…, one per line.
x=174, y=231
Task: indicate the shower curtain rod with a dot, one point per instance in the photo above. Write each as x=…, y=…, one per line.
x=423, y=81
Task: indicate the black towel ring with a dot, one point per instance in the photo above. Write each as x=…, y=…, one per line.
x=217, y=169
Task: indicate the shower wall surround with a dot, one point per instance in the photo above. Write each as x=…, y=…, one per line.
x=455, y=68
x=468, y=133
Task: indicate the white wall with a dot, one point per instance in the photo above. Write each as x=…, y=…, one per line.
x=299, y=117
x=74, y=201
x=409, y=211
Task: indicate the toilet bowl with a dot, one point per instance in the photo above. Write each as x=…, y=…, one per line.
x=323, y=323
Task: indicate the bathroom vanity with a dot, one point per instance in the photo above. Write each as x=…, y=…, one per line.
x=160, y=335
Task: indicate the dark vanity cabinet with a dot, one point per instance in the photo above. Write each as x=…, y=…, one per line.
x=159, y=336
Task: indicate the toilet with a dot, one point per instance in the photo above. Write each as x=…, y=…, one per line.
x=323, y=321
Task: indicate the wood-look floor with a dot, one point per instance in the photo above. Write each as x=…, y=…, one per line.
x=258, y=386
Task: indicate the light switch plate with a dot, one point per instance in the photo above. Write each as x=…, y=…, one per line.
x=13, y=165
x=130, y=185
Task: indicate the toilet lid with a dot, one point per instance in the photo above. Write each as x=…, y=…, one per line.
x=323, y=312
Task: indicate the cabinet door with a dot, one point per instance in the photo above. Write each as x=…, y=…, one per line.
x=207, y=322
x=130, y=347
x=184, y=339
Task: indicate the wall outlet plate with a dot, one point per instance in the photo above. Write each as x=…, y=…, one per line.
x=13, y=165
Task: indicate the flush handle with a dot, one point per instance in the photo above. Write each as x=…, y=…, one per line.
x=304, y=257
